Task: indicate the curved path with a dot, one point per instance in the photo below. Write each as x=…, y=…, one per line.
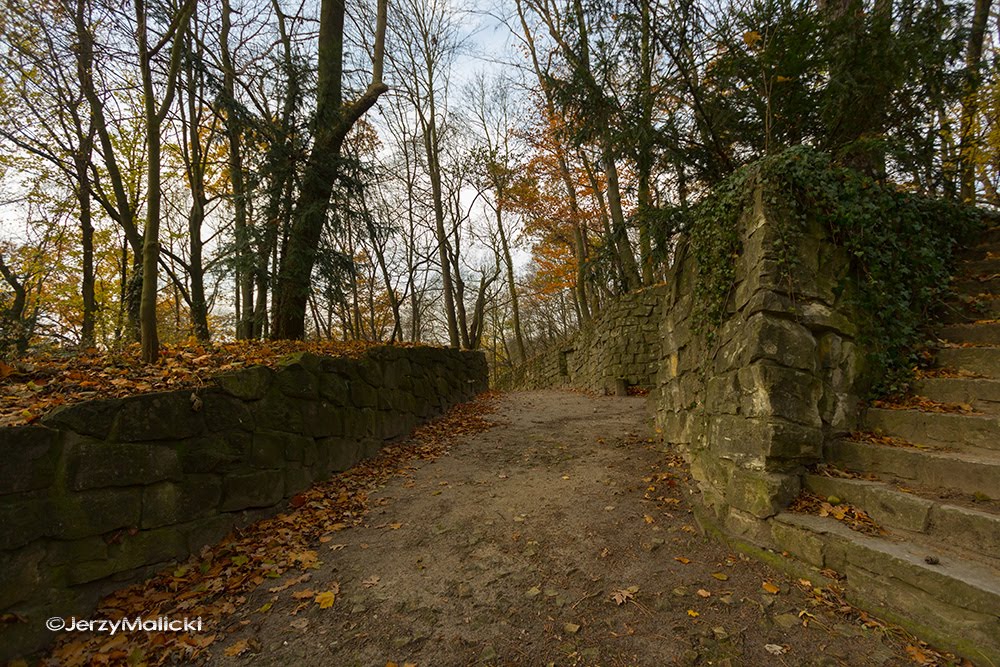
x=560, y=537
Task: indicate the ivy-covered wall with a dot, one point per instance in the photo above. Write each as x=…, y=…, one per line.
x=753, y=397
x=108, y=491
x=621, y=343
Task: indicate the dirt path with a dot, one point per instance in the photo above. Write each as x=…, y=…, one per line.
x=509, y=550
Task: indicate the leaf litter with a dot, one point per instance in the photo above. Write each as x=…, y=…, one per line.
x=215, y=582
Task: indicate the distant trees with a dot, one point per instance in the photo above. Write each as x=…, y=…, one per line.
x=263, y=169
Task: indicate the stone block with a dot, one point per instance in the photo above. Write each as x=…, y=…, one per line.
x=219, y=452
x=334, y=388
x=169, y=503
x=94, y=465
x=759, y=493
x=88, y=513
x=64, y=552
x=296, y=381
x=801, y=543
x=248, y=384
x=270, y=449
x=165, y=416
x=297, y=479
x=225, y=413
x=93, y=418
x=278, y=412
x=207, y=531
x=21, y=575
x=147, y=547
x=262, y=488
x=30, y=455
x=363, y=395
x=23, y=521
x=776, y=391
x=338, y=454
x=321, y=419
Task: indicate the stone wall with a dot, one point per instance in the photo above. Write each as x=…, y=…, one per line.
x=108, y=491
x=620, y=343
x=753, y=403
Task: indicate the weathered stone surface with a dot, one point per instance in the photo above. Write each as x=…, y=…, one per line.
x=29, y=455
x=262, y=488
x=224, y=413
x=295, y=380
x=96, y=465
x=215, y=453
x=99, y=464
x=93, y=418
x=277, y=412
x=23, y=521
x=170, y=503
x=166, y=416
x=761, y=494
x=21, y=574
x=248, y=384
x=89, y=513
x=297, y=479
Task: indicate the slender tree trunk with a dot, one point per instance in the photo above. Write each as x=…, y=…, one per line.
x=970, y=101
x=333, y=121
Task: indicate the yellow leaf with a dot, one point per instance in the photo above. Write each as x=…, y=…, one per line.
x=325, y=599
x=770, y=588
x=682, y=559
x=720, y=576
x=702, y=593
x=693, y=614
x=647, y=518
x=304, y=595
x=751, y=38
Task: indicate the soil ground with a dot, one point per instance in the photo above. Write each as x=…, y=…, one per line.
x=512, y=548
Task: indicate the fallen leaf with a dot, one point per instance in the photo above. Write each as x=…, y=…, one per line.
x=721, y=576
x=370, y=581
x=693, y=614
x=682, y=559
x=703, y=593
x=775, y=649
x=326, y=599
x=304, y=595
x=395, y=526
x=648, y=519
x=770, y=588
x=571, y=628
x=237, y=648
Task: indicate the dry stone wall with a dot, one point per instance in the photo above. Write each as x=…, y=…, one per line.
x=754, y=402
x=620, y=344
x=107, y=491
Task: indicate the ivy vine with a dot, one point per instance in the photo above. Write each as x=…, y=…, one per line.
x=901, y=247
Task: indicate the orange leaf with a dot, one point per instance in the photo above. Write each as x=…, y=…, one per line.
x=770, y=588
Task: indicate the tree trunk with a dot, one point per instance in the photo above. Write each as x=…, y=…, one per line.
x=333, y=121
x=970, y=101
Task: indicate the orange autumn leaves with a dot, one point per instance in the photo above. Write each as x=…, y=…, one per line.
x=34, y=385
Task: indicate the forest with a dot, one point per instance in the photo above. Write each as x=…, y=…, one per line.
x=483, y=177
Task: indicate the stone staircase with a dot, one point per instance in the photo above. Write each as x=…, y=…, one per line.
x=931, y=481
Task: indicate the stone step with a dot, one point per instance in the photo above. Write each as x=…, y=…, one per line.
x=989, y=284
x=972, y=433
x=950, y=602
x=978, y=334
x=985, y=265
x=968, y=309
x=981, y=393
x=980, y=360
x=971, y=530
x=961, y=471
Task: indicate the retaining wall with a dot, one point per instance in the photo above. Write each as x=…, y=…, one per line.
x=105, y=492
x=621, y=343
